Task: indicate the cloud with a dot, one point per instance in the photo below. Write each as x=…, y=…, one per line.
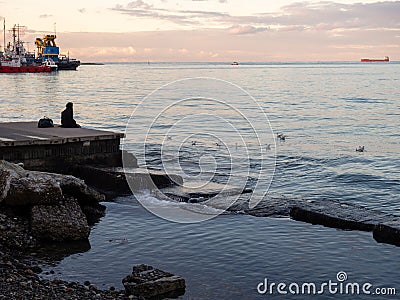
x=139, y=4
x=237, y=29
x=45, y=16
x=82, y=10
x=141, y=9
x=326, y=15
x=299, y=16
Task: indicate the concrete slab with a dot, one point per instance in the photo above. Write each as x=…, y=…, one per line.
x=27, y=133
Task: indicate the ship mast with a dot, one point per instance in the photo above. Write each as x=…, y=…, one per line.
x=14, y=29
x=4, y=35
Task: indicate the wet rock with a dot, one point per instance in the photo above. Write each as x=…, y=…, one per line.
x=338, y=215
x=201, y=192
x=8, y=172
x=146, y=281
x=388, y=232
x=115, y=182
x=63, y=222
x=75, y=188
x=94, y=212
x=33, y=190
x=269, y=206
x=15, y=234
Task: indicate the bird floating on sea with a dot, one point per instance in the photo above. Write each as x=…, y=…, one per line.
x=360, y=149
x=194, y=143
x=268, y=147
x=281, y=136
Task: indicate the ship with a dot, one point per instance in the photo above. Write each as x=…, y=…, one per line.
x=47, y=49
x=15, y=59
x=385, y=59
x=235, y=63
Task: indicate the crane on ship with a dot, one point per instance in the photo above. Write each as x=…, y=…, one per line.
x=48, y=40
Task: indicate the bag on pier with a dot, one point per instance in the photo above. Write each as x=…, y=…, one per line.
x=45, y=123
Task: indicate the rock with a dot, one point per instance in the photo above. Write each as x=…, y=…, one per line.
x=36, y=269
x=94, y=212
x=65, y=222
x=146, y=281
x=201, y=192
x=75, y=188
x=19, y=187
x=8, y=172
x=33, y=190
x=338, y=215
x=388, y=232
x=118, y=181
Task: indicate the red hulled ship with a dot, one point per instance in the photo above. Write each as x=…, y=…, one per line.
x=385, y=59
x=15, y=58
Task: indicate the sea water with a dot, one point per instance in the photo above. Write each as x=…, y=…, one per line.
x=325, y=110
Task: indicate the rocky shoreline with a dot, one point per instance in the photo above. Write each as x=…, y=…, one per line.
x=19, y=270
x=36, y=208
x=39, y=209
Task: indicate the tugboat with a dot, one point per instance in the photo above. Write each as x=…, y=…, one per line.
x=15, y=58
x=47, y=49
x=385, y=59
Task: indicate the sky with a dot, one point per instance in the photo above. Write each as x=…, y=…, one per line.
x=211, y=30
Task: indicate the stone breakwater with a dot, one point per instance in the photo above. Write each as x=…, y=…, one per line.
x=385, y=227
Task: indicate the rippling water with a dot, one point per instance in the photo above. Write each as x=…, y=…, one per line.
x=326, y=111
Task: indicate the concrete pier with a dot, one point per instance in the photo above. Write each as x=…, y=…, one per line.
x=56, y=148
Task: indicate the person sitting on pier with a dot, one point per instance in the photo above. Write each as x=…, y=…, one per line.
x=67, y=117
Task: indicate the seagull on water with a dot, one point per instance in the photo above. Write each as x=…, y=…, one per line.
x=194, y=143
x=281, y=136
x=360, y=149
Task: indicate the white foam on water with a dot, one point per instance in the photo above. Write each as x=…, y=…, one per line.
x=177, y=211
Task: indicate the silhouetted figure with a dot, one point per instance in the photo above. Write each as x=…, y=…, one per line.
x=67, y=117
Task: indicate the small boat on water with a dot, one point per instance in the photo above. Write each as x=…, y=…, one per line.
x=235, y=63
x=385, y=59
x=51, y=64
x=15, y=59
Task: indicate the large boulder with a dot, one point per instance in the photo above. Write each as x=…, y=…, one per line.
x=61, y=222
x=33, y=190
x=146, y=281
x=75, y=187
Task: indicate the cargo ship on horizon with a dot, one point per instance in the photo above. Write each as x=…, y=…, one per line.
x=385, y=59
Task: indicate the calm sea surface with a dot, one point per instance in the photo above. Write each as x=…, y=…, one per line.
x=326, y=110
